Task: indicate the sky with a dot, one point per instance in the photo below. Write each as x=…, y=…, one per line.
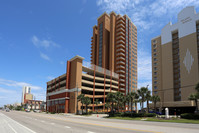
x=37, y=37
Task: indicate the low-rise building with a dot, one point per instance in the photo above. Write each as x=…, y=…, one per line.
x=93, y=81
x=33, y=104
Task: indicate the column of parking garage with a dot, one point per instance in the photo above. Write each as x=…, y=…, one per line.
x=104, y=88
x=67, y=86
x=111, y=82
x=94, y=89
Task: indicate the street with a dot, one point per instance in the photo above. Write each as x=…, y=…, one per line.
x=29, y=122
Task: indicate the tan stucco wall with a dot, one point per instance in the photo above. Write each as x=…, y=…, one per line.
x=188, y=80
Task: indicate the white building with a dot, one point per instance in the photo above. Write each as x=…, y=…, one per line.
x=25, y=90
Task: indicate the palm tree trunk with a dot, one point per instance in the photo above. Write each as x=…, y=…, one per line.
x=112, y=108
x=142, y=107
x=118, y=106
x=131, y=104
x=136, y=106
x=147, y=106
x=82, y=107
x=86, y=109
x=196, y=101
x=155, y=106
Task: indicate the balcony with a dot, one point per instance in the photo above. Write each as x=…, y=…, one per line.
x=120, y=66
x=121, y=84
x=120, y=25
x=120, y=33
x=120, y=29
x=122, y=80
x=120, y=37
x=120, y=71
x=120, y=54
x=120, y=41
x=122, y=76
x=121, y=62
x=120, y=21
x=120, y=50
x=120, y=58
x=120, y=45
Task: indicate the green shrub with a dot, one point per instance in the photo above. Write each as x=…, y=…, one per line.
x=190, y=116
x=124, y=114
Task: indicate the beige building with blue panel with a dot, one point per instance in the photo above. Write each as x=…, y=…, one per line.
x=175, y=65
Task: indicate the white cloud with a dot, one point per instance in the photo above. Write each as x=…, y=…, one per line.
x=147, y=13
x=18, y=84
x=44, y=56
x=144, y=66
x=3, y=90
x=43, y=43
x=50, y=77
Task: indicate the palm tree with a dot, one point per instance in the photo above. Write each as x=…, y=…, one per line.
x=107, y=105
x=80, y=98
x=142, y=93
x=86, y=101
x=194, y=97
x=132, y=98
x=118, y=98
x=96, y=102
x=148, y=98
x=155, y=99
x=136, y=100
x=197, y=87
x=112, y=98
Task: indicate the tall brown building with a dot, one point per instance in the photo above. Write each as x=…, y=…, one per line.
x=114, y=47
x=175, y=65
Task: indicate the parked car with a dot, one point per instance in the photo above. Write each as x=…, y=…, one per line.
x=27, y=110
x=36, y=110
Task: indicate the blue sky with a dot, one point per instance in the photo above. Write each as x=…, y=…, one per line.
x=37, y=37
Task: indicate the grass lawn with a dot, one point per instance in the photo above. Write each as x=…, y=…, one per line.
x=158, y=120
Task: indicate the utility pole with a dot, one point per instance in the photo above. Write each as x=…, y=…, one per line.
x=77, y=99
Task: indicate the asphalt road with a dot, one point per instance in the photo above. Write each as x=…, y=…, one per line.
x=23, y=122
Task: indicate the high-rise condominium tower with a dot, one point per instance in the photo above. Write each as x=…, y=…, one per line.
x=175, y=59
x=25, y=90
x=114, y=47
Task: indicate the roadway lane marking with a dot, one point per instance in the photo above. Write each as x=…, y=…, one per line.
x=52, y=123
x=67, y=127
x=35, y=119
x=140, y=130
x=90, y=132
x=20, y=124
x=10, y=126
x=42, y=121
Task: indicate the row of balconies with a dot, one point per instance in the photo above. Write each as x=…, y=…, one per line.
x=120, y=25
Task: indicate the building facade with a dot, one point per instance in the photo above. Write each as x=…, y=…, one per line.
x=26, y=90
x=93, y=81
x=175, y=61
x=33, y=104
x=114, y=47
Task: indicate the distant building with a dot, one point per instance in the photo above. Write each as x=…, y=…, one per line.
x=175, y=61
x=26, y=94
x=93, y=81
x=33, y=104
